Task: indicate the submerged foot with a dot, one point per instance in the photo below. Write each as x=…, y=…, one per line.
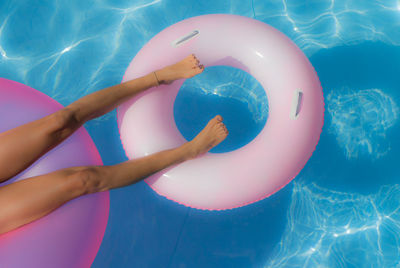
x=186, y=68
x=212, y=135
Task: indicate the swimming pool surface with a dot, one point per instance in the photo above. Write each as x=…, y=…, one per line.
x=342, y=210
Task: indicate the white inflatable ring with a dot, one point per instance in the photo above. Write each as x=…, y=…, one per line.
x=267, y=163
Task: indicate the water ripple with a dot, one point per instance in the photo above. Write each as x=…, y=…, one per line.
x=335, y=229
x=360, y=121
x=228, y=82
x=315, y=24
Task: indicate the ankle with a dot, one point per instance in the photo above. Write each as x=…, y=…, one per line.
x=189, y=150
x=158, y=81
x=160, y=77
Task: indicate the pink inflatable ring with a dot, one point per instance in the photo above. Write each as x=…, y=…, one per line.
x=267, y=163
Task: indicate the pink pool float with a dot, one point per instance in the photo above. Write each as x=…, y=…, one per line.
x=268, y=162
x=71, y=235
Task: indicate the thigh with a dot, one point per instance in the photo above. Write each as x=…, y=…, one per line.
x=23, y=145
x=30, y=199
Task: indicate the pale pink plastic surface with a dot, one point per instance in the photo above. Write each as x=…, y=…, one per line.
x=262, y=167
x=71, y=235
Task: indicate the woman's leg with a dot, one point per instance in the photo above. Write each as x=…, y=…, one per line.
x=21, y=146
x=31, y=199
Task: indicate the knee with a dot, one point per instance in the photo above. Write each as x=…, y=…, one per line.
x=63, y=122
x=88, y=180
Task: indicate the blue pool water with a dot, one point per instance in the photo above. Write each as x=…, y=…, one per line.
x=342, y=210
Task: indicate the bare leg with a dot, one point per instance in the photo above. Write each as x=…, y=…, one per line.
x=21, y=146
x=31, y=199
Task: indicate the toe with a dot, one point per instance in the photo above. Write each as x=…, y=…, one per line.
x=199, y=69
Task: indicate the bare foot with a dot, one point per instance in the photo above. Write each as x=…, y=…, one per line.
x=186, y=68
x=212, y=135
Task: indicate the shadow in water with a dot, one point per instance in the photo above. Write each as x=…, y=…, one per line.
x=242, y=237
x=359, y=144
